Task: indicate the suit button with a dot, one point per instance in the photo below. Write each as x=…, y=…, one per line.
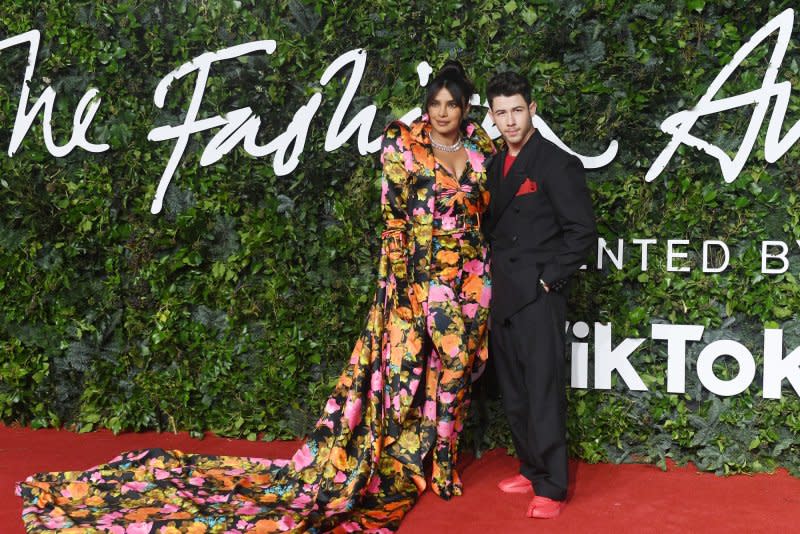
x=512, y=259
x=516, y=210
x=514, y=239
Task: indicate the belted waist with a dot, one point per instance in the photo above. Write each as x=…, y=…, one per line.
x=456, y=225
x=462, y=230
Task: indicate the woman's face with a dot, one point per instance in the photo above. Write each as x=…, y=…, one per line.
x=445, y=114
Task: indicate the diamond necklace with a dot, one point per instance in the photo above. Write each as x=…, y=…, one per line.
x=446, y=148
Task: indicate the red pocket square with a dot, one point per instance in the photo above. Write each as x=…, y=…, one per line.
x=528, y=186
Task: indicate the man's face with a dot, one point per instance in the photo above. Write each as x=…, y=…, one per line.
x=512, y=116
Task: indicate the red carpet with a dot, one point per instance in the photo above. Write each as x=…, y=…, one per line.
x=603, y=498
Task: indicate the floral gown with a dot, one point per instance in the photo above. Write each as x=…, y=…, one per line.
x=403, y=393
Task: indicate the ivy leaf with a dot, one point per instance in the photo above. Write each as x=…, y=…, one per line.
x=697, y=5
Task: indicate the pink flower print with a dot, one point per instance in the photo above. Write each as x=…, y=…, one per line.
x=234, y=472
x=448, y=222
x=55, y=522
x=474, y=267
x=388, y=150
x=350, y=526
x=446, y=397
x=418, y=212
x=248, y=509
x=340, y=477
x=440, y=294
x=470, y=310
x=470, y=129
x=408, y=160
x=302, y=458
x=352, y=412
x=445, y=429
x=376, y=382
x=287, y=522
x=139, y=456
x=486, y=295
x=219, y=498
x=138, y=487
x=169, y=509
x=196, y=481
x=161, y=474
x=139, y=528
x=116, y=529
x=107, y=519
x=429, y=410
x=300, y=501
x=476, y=160
x=332, y=406
x=384, y=192
x=374, y=484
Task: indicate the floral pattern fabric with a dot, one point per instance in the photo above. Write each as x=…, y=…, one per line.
x=403, y=393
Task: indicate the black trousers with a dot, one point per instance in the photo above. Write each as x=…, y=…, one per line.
x=528, y=353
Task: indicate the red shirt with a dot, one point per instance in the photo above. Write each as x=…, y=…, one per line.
x=508, y=163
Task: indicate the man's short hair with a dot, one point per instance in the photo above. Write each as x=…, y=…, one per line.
x=508, y=83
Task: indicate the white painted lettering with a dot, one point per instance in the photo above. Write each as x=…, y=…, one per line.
x=737, y=384
x=679, y=124
x=580, y=357
x=82, y=119
x=776, y=367
x=672, y=255
x=608, y=360
x=707, y=245
x=766, y=256
x=676, y=336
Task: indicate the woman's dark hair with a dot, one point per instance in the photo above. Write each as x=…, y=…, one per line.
x=508, y=83
x=453, y=78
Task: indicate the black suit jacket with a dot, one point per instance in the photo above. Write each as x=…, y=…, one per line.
x=545, y=234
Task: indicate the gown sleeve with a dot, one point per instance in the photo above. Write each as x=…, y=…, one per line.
x=397, y=163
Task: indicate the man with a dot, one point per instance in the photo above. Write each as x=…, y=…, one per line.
x=540, y=225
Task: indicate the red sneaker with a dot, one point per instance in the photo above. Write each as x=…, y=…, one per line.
x=544, y=508
x=516, y=484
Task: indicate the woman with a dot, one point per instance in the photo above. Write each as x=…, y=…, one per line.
x=403, y=393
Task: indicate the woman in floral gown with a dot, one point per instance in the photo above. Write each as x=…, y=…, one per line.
x=402, y=395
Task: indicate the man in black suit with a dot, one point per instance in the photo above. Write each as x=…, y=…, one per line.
x=540, y=225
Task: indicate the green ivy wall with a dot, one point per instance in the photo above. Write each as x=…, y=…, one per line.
x=233, y=309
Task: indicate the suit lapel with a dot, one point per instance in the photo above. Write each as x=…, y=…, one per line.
x=506, y=188
x=495, y=169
